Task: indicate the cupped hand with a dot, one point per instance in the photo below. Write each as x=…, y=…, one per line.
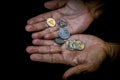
x=75, y=12
x=87, y=60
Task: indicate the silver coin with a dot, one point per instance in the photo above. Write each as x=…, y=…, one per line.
x=62, y=23
x=59, y=41
x=64, y=33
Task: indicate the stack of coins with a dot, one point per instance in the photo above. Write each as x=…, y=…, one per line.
x=75, y=45
x=64, y=34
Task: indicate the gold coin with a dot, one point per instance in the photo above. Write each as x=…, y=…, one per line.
x=70, y=45
x=80, y=45
x=51, y=22
x=75, y=45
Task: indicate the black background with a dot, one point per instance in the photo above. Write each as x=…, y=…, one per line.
x=17, y=39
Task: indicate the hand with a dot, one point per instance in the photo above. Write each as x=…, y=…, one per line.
x=87, y=60
x=77, y=14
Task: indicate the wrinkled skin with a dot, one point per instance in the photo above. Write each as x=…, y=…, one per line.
x=76, y=13
x=87, y=60
x=79, y=16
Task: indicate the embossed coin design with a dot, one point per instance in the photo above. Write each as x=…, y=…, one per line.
x=80, y=45
x=64, y=33
x=59, y=41
x=75, y=45
x=51, y=22
x=62, y=23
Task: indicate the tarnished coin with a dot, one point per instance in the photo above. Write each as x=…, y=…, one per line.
x=75, y=45
x=80, y=45
x=51, y=22
x=69, y=45
x=62, y=23
x=59, y=41
x=64, y=33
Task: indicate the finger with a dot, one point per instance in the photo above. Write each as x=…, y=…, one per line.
x=43, y=42
x=55, y=4
x=51, y=35
x=74, y=70
x=41, y=34
x=43, y=49
x=39, y=18
x=49, y=58
x=36, y=27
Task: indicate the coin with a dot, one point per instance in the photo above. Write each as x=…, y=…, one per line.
x=62, y=23
x=80, y=45
x=59, y=41
x=75, y=45
x=64, y=33
x=51, y=22
x=69, y=45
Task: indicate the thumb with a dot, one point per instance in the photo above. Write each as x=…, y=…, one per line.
x=74, y=70
x=55, y=4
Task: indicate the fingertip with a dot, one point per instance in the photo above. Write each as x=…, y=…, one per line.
x=50, y=5
x=28, y=28
x=29, y=21
x=28, y=49
x=33, y=57
x=35, y=35
x=65, y=75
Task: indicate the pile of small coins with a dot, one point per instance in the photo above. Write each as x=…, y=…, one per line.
x=64, y=34
x=75, y=45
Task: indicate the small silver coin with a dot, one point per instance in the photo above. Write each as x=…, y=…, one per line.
x=59, y=41
x=64, y=33
x=62, y=23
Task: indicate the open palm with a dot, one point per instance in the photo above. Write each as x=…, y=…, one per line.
x=87, y=60
x=75, y=12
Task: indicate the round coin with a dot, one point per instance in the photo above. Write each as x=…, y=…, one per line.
x=62, y=23
x=51, y=22
x=64, y=33
x=59, y=41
